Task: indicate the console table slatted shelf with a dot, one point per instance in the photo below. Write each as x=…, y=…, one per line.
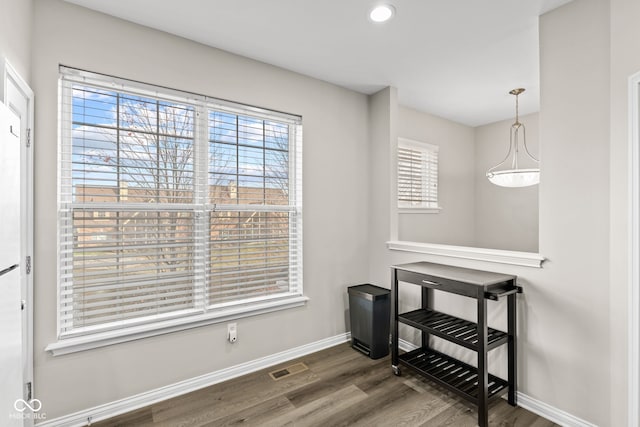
x=459, y=331
x=452, y=374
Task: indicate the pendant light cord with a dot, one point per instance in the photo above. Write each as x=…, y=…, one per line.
x=517, y=110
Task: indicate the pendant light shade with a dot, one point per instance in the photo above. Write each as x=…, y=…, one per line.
x=514, y=176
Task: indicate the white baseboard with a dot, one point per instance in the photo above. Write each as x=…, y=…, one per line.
x=122, y=406
x=405, y=345
x=549, y=412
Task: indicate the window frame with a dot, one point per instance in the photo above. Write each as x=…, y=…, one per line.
x=425, y=148
x=207, y=314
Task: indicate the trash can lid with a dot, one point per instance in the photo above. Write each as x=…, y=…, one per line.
x=368, y=290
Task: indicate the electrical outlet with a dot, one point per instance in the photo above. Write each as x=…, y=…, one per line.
x=232, y=332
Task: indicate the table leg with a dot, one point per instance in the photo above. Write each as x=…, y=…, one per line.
x=394, y=320
x=512, y=350
x=483, y=374
x=425, y=305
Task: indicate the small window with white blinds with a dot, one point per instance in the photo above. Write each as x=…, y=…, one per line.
x=172, y=205
x=417, y=173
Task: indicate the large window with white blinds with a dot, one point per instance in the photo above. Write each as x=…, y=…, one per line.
x=417, y=175
x=172, y=206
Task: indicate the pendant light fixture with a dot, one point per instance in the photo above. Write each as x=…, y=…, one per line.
x=515, y=176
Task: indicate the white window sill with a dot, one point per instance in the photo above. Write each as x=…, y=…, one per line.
x=102, y=339
x=419, y=210
x=525, y=259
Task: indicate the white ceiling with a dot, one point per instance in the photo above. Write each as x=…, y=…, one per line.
x=457, y=59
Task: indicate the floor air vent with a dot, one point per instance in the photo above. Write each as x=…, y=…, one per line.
x=288, y=371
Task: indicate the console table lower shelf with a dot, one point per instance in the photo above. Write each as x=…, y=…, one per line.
x=451, y=373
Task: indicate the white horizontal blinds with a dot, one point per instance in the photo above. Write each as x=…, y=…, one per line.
x=127, y=223
x=417, y=175
x=295, y=202
x=123, y=265
x=249, y=255
x=171, y=204
x=251, y=229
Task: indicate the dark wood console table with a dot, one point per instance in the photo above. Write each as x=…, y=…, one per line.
x=473, y=384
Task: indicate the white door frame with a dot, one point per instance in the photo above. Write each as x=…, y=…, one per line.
x=11, y=77
x=634, y=252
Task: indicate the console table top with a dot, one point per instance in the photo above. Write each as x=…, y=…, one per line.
x=459, y=274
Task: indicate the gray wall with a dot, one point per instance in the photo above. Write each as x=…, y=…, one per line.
x=564, y=330
x=454, y=224
x=383, y=118
x=505, y=218
x=336, y=168
x=16, y=20
x=574, y=202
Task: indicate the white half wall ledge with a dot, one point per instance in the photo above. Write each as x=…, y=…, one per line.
x=524, y=259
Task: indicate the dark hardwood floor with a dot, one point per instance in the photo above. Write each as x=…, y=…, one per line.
x=341, y=387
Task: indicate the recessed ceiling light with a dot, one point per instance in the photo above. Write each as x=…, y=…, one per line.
x=382, y=13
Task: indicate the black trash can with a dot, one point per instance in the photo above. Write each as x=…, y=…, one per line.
x=369, y=308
